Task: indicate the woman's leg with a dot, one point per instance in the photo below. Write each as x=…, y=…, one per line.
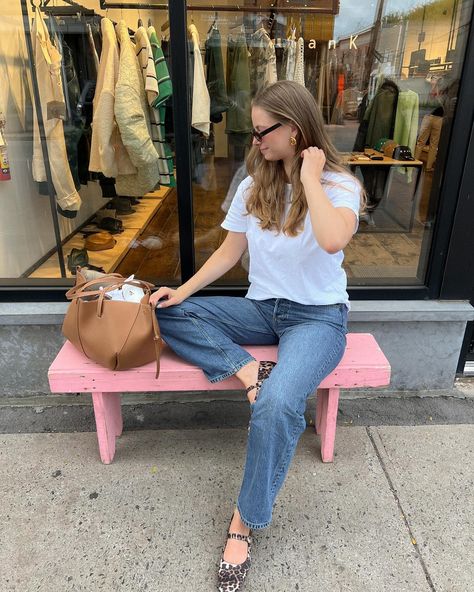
x=208, y=332
x=312, y=342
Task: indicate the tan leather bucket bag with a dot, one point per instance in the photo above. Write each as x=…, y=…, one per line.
x=115, y=334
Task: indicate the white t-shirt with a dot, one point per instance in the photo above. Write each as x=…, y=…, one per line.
x=294, y=268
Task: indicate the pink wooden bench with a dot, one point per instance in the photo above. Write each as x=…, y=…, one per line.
x=363, y=365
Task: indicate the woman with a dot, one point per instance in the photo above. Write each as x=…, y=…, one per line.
x=295, y=213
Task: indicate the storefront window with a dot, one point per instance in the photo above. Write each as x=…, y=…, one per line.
x=87, y=143
x=88, y=179
x=385, y=75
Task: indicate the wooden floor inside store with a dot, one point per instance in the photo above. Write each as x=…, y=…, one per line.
x=155, y=253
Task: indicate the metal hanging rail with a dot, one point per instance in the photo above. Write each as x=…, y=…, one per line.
x=223, y=8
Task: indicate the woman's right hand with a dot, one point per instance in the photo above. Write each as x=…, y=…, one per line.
x=166, y=296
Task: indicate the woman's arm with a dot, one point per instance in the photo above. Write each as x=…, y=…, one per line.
x=332, y=227
x=219, y=263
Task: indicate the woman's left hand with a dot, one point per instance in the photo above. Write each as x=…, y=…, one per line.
x=312, y=168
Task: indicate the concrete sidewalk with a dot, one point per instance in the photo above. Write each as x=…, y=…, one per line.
x=395, y=512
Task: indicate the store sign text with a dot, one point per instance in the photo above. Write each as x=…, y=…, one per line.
x=332, y=43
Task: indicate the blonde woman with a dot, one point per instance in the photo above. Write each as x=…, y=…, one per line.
x=295, y=212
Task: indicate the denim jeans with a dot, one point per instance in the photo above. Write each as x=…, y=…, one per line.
x=208, y=332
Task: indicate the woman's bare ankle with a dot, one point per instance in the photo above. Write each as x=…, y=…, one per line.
x=235, y=551
x=237, y=525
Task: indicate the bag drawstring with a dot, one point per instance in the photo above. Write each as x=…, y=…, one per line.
x=156, y=339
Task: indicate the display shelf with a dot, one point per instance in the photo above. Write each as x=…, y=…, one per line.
x=133, y=225
x=159, y=193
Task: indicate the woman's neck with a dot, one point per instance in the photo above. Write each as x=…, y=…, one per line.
x=287, y=165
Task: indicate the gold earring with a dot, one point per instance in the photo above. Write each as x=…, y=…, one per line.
x=292, y=141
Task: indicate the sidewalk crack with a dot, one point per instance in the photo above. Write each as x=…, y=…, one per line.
x=402, y=511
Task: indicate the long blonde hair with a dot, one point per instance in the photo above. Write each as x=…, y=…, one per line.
x=288, y=103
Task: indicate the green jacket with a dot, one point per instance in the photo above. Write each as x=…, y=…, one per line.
x=215, y=77
x=165, y=91
x=406, y=120
x=238, y=87
x=380, y=113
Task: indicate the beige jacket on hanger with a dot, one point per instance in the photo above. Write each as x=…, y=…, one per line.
x=131, y=113
x=201, y=111
x=108, y=154
x=48, y=73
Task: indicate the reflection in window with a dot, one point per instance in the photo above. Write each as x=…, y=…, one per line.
x=91, y=162
x=385, y=75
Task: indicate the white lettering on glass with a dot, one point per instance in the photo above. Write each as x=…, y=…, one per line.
x=352, y=44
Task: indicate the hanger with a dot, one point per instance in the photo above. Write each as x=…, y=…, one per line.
x=165, y=25
x=241, y=27
x=261, y=20
x=213, y=26
x=150, y=24
x=266, y=22
x=291, y=30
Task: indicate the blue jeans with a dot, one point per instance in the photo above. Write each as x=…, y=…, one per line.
x=208, y=332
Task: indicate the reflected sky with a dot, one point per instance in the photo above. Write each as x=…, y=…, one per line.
x=354, y=16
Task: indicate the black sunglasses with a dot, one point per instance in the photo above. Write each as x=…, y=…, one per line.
x=259, y=135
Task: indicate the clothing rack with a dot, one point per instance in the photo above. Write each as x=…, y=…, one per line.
x=67, y=10
x=42, y=133
x=222, y=8
x=73, y=9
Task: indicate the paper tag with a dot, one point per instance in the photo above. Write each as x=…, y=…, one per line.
x=132, y=293
x=127, y=293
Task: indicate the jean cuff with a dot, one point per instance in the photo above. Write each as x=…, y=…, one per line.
x=252, y=525
x=236, y=368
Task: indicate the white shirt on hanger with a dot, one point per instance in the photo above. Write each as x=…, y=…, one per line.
x=299, y=67
x=201, y=110
x=291, y=57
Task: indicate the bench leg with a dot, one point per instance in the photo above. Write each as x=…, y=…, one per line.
x=327, y=401
x=108, y=419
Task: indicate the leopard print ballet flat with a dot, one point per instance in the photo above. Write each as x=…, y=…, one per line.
x=264, y=370
x=231, y=576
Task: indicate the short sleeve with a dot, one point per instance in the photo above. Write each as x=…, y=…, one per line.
x=345, y=192
x=237, y=218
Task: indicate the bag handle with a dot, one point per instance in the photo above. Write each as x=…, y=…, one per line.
x=82, y=286
x=115, y=278
x=156, y=339
x=115, y=283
